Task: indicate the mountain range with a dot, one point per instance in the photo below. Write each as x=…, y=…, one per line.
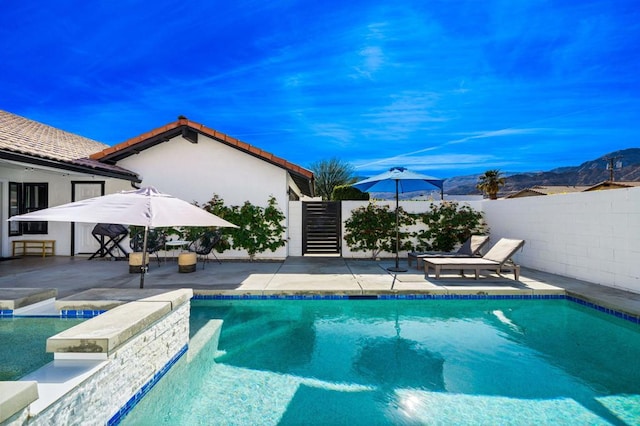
x=586, y=174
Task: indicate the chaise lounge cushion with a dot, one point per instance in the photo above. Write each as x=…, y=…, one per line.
x=497, y=258
x=471, y=247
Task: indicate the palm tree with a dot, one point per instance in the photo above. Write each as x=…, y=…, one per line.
x=490, y=183
x=331, y=173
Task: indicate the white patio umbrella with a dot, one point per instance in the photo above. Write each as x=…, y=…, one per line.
x=143, y=207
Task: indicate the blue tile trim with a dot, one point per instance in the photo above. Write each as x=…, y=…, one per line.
x=36, y=316
x=135, y=399
x=470, y=297
x=65, y=313
x=375, y=297
x=270, y=297
x=84, y=313
x=622, y=315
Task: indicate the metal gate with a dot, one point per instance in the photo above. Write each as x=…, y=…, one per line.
x=321, y=227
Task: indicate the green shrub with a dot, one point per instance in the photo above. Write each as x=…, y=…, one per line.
x=447, y=225
x=348, y=192
x=372, y=228
x=259, y=228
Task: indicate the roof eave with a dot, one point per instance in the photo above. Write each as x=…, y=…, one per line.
x=304, y=183
x=64, y=165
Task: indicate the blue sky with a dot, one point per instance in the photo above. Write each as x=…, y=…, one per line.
x=446, y=88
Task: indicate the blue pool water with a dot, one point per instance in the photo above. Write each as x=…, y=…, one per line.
x=23, y=344
x=389, y=362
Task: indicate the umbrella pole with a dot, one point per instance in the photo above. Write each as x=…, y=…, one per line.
x=143, y=265
x=397, y=232
x=397, y=267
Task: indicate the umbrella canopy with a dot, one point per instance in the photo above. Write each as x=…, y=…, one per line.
x=399, y=179
x=143, y=207
x=407, y=181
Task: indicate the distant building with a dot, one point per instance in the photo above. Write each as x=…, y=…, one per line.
x=607, y=184
x=538, y=190
x=463, y=198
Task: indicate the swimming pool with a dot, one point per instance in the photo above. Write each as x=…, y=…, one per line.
x=23, y=343
x=385, y=362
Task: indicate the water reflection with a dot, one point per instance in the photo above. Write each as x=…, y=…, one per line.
x=399, y=363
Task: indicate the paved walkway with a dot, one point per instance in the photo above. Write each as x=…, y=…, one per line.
x=76, y=277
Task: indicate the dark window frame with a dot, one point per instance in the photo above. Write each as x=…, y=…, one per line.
x=15, y=201
x=26, y=197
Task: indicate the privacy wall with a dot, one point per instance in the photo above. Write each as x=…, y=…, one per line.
x=592, y=236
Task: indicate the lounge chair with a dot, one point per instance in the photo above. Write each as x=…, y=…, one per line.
x=469, y=248
x=496, y=259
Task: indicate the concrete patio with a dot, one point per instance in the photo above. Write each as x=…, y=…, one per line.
x=78, y=280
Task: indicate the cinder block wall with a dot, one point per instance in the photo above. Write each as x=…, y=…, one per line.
x=294, y=229
x=592, y=236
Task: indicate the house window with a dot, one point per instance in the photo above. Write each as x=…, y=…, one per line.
x=26, y=198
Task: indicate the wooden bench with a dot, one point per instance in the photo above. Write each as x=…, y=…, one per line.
x=33, y=248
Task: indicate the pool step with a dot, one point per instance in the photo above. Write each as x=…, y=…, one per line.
x=209, y=334
x=239, y=345
x=45, y=308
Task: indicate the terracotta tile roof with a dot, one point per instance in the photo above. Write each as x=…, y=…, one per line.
x=153, y=137
x=32, y=139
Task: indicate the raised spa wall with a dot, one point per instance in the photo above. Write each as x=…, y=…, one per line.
x=102, y=366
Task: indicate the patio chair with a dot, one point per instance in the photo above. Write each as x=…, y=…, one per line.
x=469, y=248
x=156, y=241
x=109, y=236
x=496, y=259
x=204, y=246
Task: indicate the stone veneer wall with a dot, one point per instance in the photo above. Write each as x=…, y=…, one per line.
x=130, y=367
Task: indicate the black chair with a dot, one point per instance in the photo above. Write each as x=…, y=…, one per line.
x=204, y=245
x=109, y=236
x=156, y=241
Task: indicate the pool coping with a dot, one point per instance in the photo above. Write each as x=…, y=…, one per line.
x=15, y=299
x=15, y=395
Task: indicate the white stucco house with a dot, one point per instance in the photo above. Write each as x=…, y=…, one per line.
x=41, y=166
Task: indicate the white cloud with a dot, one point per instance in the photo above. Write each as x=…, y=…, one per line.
x=333, y=132
x=372, y=59
x=427, y=162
